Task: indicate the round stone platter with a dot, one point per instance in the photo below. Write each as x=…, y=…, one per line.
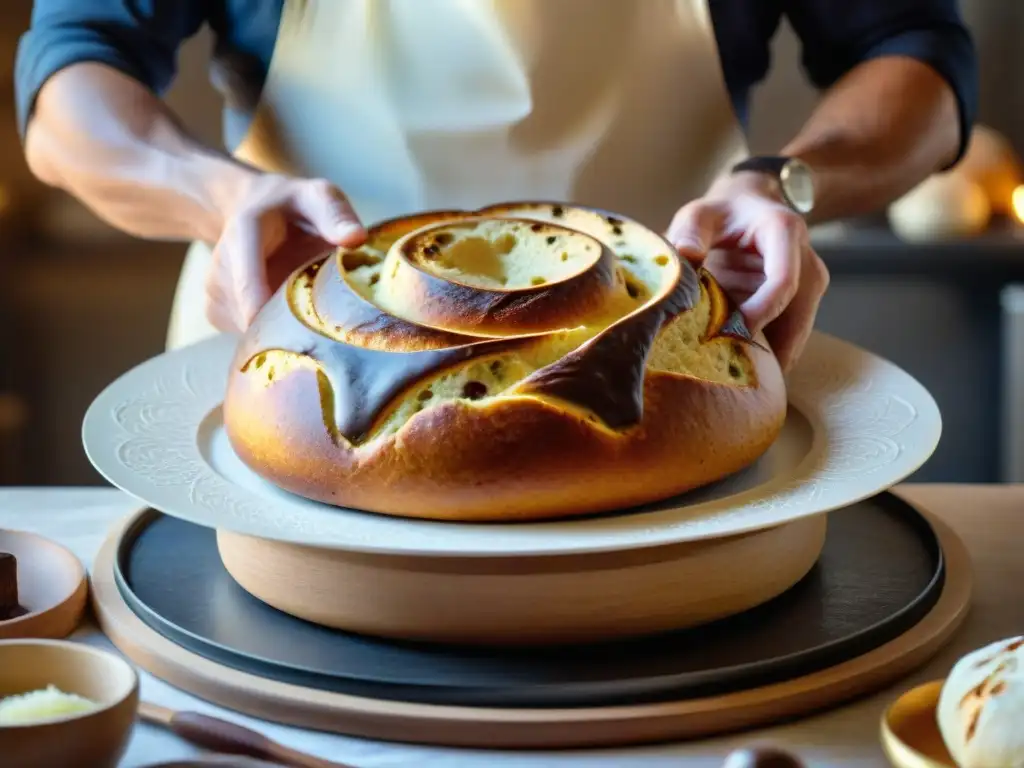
x=880, y=572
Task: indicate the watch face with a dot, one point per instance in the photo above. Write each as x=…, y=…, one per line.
x=798, y=185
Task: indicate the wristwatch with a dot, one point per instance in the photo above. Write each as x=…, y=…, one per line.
x=796, y=180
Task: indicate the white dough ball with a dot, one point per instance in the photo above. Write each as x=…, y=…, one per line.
x=943, y=206
x=981, y=707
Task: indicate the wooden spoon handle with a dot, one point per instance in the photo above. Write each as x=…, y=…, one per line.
x=233, y=739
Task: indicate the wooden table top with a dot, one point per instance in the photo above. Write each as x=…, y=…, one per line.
x=989, y=519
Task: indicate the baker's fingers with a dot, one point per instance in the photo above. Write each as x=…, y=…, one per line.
x=218, y=316
x=696, y=228
x=326, y=210
x=735, y=260
x=740, y=285
x=219, y=308
x=245, y=247
x=788, y=334
x=739, y=272
x=780, y=238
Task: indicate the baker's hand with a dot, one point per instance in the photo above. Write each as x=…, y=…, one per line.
x=272, y=225
x=759, y=250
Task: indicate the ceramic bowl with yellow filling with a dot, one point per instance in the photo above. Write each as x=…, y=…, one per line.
x=64, y=705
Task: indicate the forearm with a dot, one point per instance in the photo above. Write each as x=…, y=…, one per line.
x=108, y=141
x=878, y=132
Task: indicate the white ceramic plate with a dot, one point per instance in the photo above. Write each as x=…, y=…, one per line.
x=857, y=426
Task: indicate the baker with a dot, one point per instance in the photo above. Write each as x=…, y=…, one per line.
x=340, y=113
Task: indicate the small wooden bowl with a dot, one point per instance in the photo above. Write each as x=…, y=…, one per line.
x=52, y=587
x=910, y=732
x=96, y=739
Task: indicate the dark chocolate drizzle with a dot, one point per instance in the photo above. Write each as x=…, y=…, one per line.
x=339, y=306
x=364, y=381
x=605, y=375
x=733, y=325
x=736, y=327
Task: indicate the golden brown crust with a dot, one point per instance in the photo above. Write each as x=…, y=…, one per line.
x=347, y=316
x=354, y=421
x=436, y=302
x=514, y=460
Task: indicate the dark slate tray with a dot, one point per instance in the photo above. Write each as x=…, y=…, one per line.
x=880, y=572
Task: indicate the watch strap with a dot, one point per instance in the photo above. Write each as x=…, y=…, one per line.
x=770, y=164
x=774, y=166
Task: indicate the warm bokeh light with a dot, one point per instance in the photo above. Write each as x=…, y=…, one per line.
x=1018, y=203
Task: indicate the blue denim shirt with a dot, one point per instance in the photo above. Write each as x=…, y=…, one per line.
x=141, y=38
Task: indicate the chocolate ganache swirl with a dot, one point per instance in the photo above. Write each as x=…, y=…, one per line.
x=558, y=303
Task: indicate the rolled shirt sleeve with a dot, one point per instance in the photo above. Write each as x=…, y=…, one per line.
x=836, y=36
x=137, y=37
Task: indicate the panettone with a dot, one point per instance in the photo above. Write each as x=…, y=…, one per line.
x=525, y=361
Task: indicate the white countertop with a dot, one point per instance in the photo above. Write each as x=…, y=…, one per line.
x=990, y=519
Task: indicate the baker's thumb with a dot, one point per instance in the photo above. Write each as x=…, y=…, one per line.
x=330, y=215
x=695, y=229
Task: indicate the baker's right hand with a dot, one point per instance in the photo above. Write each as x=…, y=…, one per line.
x=273, y=224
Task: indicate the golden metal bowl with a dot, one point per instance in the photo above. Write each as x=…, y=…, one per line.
x=910, y=731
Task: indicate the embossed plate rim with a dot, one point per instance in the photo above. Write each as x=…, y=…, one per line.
x=873, y=425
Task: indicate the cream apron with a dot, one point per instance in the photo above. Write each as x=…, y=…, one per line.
x=409, y=105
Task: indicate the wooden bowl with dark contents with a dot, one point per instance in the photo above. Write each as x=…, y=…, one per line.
x=43, y=587
x=10, y=606
x=764, y=756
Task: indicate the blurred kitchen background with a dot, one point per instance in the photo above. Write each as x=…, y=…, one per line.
x=937, y=293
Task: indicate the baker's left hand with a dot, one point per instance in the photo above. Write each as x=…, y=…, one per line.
x=759, y=249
